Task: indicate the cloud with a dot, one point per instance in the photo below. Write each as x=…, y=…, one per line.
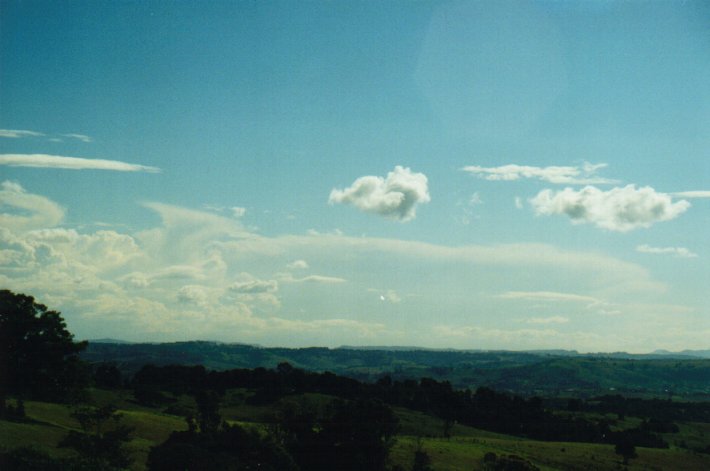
x=692, y=194
x=238, y=211
x=172, y=282
x=16, y=133
x=71, y=163
x=80, y=137
x=298, y=265
x=254, y=286
x=193, y=294
x=555, y=174
x=395, y=197
x=620, y=209
x=321, y=279
x=25, y=211
x=677, y=251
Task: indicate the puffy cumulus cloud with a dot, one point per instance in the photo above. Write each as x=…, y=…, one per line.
x=620, y=209
x=584, y=175
x=71, y=163
x=20, y=210
x=395, y=197
x=681, y=252
x=102, y=249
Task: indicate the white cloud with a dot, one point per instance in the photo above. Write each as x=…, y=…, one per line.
x=395, y=197
x=328, y=280
x=298, y=265
x=554, y=174
x=677, y=251
x=518, y=202
x=25, y=211
x=80, y=137
x=620, y=209
x=194, y=294
x=173, y=282
x=238, y=211
x=692, y=194
x=71, y=163
x=254, y=286
x=16, y=133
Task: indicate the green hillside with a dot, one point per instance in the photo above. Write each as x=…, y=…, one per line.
x=466, y=448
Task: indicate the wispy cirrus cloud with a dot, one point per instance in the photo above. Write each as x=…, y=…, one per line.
x=548, y=296
x=80, y=137
x=584, y=175
x=19, y=133
x=71, y=163
x=395, y=197
x=620, y=209
x=23, y=133
x=681, y=252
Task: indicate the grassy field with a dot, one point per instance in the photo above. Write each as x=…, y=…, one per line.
x=464, y=450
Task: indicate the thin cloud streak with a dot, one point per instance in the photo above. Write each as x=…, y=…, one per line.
x=71, y=163
x=19, y=133
x=553, y=174
x=681, y=252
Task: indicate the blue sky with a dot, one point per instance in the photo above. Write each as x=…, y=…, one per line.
x=489, y=175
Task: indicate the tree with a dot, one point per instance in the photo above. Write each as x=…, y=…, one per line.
x=626, y=449
x=38, y=356
x=358, y=435
x=101, y=443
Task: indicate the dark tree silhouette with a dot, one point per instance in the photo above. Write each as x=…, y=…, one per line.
x=38, y=355
x=101, y=443
x=626, y=449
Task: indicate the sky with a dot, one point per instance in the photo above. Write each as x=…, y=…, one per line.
x=469, y=175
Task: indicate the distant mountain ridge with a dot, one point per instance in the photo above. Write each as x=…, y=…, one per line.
x=541, y=372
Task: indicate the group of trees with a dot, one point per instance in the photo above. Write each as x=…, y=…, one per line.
x=350, y=436
x=38, y=356
x=484, y=408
